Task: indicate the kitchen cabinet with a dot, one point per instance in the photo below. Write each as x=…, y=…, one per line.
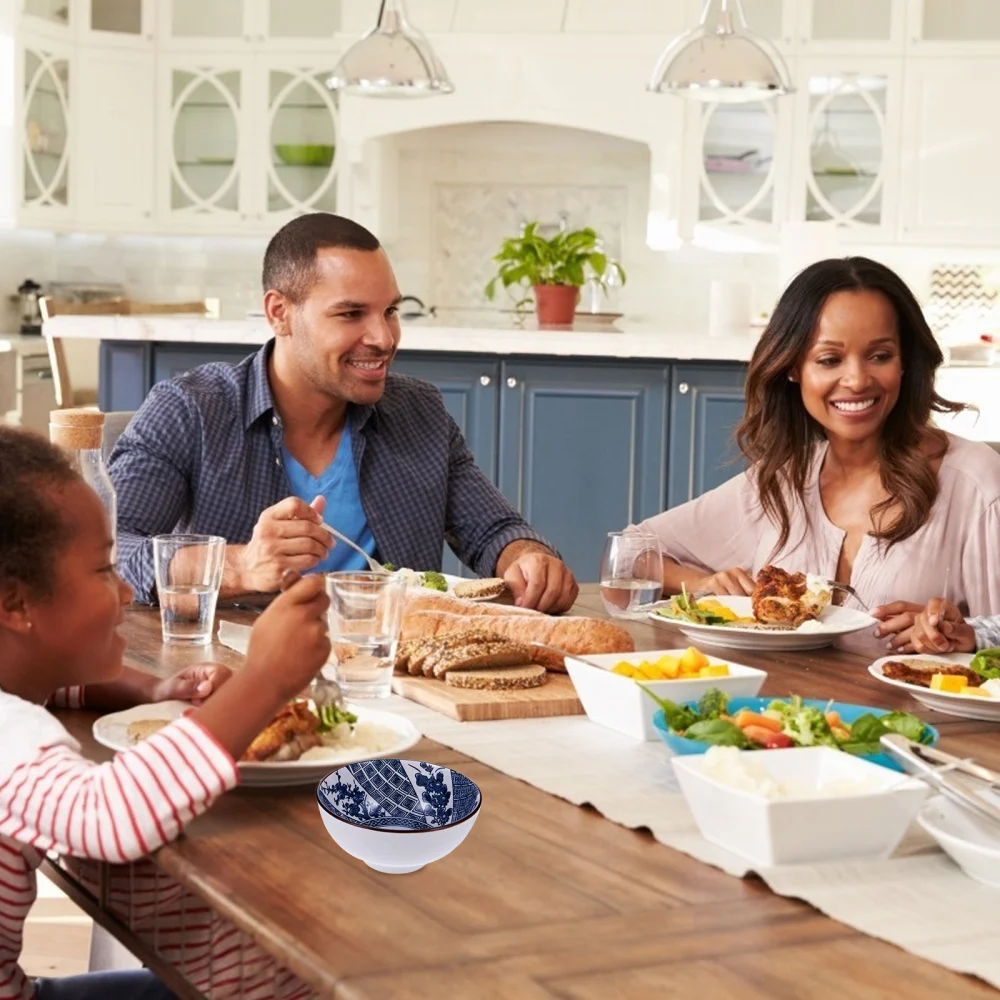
x=847, y=135
x=948, y=184
x=955, y=27
x=582, y=446
x=126, y=375
x=469, y=387
x=169, y=362
x=706, y=405
x=46, y=136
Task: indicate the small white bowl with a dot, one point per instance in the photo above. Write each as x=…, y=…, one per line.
x=972, y=843
x=617, y=702
x=767, y=832
x=398, y=815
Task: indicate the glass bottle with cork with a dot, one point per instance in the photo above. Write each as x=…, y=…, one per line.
x=80, y=433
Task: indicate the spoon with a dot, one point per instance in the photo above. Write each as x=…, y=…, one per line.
x=373, y=564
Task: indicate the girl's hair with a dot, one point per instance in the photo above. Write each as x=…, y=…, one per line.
x=777, y=434
x=32, y=527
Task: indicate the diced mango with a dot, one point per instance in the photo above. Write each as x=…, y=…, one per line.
x=693, y=660
x=714, y=670
x=650, y=671
x=951, y=683
x=624, y=668
x=670, y=666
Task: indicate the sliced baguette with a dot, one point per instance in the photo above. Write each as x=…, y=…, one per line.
x=570, y=635
x=499, y=679
x=501, y=653
x=482, y=590
x=426, y=600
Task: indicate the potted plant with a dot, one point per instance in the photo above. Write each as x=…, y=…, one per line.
x=554, y=268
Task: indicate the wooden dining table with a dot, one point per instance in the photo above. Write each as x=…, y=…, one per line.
x=545, y=899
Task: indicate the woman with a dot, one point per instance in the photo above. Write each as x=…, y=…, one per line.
x=847, y=477
x=61, y=603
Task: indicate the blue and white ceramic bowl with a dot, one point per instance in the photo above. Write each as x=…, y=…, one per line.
x=398, y=815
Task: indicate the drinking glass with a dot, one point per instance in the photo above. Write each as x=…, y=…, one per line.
x=366, y=610
x=188, y=576
x=631, y=572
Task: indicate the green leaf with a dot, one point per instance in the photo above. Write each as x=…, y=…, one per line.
x=678, y=717
x=598, y=263
x=905, y=724
x=986, y=663
x=717, y=732
x=867, y=728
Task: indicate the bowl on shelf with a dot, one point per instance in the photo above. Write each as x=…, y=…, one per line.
x=294, y=155
x=398, y=815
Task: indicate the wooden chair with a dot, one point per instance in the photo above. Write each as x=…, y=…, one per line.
x=49, y=307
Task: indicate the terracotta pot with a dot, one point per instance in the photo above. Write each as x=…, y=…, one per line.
x=555, y=305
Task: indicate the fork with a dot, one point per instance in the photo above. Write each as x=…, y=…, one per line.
x=848, y=589
x=373, y=564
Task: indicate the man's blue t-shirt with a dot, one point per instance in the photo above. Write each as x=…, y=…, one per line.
x=339, y=484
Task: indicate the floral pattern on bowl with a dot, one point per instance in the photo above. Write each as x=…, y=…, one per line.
x=398, y=795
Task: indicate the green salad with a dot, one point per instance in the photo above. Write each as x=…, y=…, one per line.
x=786, y=722
x=432, y=580
x=986, y=663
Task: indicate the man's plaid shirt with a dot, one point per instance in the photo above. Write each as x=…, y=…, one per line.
x=203, y=455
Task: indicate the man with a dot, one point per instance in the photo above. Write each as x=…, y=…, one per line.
x=314, y=428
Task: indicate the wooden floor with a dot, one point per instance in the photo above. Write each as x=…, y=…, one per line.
x=56, y=935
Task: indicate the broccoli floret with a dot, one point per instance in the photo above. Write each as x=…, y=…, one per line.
x=712, y=704
x=808, y=727
x=389, y=567
x=434, y=581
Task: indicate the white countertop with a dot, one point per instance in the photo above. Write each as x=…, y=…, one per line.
x=17, y=342
x=485, y=334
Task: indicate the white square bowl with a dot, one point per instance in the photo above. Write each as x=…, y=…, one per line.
x=766, y=832
x=617, y=702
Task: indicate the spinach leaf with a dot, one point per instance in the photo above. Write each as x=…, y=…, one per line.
x=906, y=725
x=866, y=728
x=678, y=717
x=860, y=749
x=718, y=732
x=986, y=663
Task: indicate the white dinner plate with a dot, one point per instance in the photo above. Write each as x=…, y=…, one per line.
x=834, y=621
x=972, y=842
x=966, y=706
x=112, y=731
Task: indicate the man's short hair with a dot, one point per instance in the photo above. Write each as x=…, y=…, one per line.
x=290, y=258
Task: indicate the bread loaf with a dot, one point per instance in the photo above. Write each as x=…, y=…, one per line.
x=500, y=679
x=480, y=589
x=427, y=600
x=569, y=635
x=499, y=653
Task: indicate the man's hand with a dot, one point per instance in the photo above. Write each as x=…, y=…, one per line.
x=286, y=537
x=194, y=684
x=537, y=578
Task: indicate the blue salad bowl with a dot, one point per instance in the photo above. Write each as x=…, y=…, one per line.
x=849, y=713
x=398, y=815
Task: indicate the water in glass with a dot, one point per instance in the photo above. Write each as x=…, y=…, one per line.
x=631, y=571
x=188, y=572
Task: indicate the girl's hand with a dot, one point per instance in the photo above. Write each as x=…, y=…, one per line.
x=897, y=621
x=194, y=684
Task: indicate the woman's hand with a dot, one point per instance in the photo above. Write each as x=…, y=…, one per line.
x=897, y=621
x=941, y=628
x=193, y=684
x=735, y=582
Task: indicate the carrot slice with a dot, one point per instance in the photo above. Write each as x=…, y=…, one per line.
x=746, y=718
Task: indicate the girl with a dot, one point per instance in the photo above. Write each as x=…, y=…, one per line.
x=60, y=604
x=848, y=478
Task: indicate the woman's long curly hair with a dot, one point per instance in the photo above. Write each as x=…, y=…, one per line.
x=777, y=435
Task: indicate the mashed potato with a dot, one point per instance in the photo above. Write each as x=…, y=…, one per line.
x=342, y=743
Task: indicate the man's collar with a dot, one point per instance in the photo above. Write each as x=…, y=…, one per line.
x=260, y=401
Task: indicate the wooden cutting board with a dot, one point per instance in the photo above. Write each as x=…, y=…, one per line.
x=555, y=697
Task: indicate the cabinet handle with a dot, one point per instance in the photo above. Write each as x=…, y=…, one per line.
x=512, y=383
x=683, y=388
x=44, y=374
x=484, y=380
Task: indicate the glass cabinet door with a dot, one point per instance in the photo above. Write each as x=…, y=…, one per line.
x=205, y=141
x=122, y=17
x=207, y=19
x=851, y=20
x=303, y=18
x=847, y=125
x=738, y=162
x=46, y=129
x=53, y=11
x=960, y=21
x=302, y=142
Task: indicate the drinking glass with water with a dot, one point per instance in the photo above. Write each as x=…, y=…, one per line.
x=366, y=611
x=631, y=572
x=188, y=577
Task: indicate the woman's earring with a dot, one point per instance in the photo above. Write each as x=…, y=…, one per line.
x=791, y=378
